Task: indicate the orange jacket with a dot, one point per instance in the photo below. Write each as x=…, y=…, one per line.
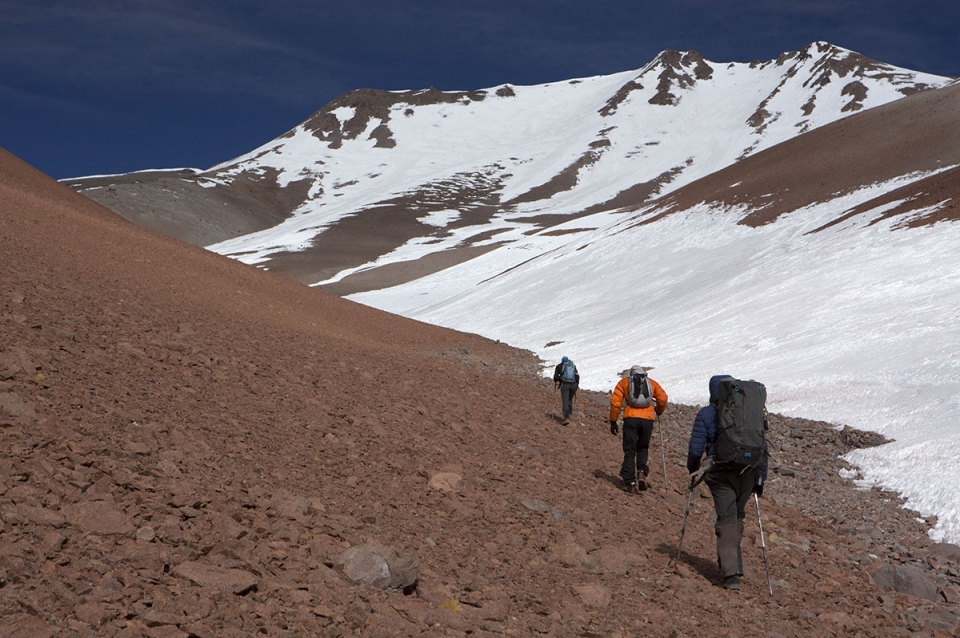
x=619, y=399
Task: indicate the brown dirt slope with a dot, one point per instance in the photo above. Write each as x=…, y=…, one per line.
x=189, y=445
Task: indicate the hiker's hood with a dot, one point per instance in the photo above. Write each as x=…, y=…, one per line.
x=715, y=387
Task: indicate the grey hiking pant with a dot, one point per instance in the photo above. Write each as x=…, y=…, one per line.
x=731, y=489
x=567, y=392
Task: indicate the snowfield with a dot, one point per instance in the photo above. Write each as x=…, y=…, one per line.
x=855, y=325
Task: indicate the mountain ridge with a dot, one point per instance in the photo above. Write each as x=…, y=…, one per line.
x=910, y=136
x=333, y=175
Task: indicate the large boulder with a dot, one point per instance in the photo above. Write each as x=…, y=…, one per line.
x=216, y=578
x=383, y=567
x=906, y=580
x=99, y=517
x=946, y=551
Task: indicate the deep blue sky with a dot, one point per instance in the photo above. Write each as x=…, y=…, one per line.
x=98, y=87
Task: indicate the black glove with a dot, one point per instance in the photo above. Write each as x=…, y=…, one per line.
x=613, y=427
x=758, y=489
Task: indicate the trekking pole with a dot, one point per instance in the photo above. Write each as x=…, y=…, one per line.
x=663, y=455
x=763, y=543
x=685, y=514
x=695, y=480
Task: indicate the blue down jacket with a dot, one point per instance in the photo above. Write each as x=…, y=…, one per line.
x=703, y=438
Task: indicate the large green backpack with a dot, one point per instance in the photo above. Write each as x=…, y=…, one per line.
x=742, y=421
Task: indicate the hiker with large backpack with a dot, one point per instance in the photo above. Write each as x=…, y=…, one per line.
x=642, y=401
x=567, y=379
x=731, y=430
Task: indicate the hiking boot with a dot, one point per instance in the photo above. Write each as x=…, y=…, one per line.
x=565, y=422
x=642, y=482
x=632, y=488
x=731, y=582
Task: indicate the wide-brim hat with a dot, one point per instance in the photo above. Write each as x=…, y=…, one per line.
x=632, y=369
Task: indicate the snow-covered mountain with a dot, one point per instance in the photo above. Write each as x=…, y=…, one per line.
x=825, y=266
x=693, y=216
x=441, y=177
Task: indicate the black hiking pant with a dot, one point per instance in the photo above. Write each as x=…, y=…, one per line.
x=731, y=489
x=636, y=448
x=567, y=392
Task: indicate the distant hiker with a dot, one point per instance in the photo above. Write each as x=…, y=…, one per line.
x=736, y=466
x=642, y=400
x=567, y=379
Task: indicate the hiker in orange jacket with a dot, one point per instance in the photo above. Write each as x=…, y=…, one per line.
x=642, y=400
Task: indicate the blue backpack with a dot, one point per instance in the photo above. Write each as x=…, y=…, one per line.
x=568, y=372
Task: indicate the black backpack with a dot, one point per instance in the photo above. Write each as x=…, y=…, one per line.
x=639, y=391
x=742, y=421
